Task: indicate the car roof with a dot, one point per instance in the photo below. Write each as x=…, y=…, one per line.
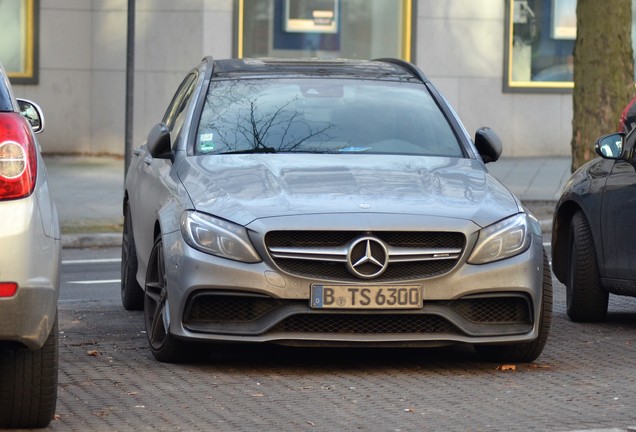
x=386, y=69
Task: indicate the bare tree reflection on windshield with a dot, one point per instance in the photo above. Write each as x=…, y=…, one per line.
x=259, y=118
x=317, y=115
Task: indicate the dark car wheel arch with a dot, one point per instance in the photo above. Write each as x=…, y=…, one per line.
x=560, y=235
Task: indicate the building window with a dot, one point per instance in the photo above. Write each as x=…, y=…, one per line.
x=18, y=44
x=362, y=29
x=540, y=38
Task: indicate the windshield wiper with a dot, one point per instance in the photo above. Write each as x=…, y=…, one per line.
x=253, y=150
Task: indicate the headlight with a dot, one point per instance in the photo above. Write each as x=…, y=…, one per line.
x=504, y=239
x=217, y=237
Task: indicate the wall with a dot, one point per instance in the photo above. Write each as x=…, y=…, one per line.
x=460, y=46
x=64, y=90
x=82, y=84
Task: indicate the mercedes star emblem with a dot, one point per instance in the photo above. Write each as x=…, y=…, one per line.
x=367, y=258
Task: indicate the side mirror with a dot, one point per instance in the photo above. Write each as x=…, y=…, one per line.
x=158, y=142
x=610, y=146
x=488, y=144
x=32, y=113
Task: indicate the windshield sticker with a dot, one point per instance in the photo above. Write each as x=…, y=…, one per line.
x=207, y=142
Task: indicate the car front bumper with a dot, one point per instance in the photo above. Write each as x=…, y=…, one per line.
x=213, y=299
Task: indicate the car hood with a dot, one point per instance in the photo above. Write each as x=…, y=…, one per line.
x=244, y=188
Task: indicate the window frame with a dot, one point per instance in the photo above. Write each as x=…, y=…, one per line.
x=30, y=73
x=174, y=117
x=408, y=26
x=510, y=86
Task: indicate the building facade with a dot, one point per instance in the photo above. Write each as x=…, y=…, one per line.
x=481, y=54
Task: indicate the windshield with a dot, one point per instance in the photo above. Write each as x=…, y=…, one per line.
x=323, y=115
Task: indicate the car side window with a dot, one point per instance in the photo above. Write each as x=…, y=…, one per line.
x=173, y=118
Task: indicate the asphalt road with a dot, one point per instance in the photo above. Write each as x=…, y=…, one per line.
x=109, y=380
x=90, y=275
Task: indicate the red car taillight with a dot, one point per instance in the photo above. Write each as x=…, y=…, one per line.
x=18, y=159
x=8, y=289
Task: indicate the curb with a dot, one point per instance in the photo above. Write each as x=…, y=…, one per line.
x=92, y=240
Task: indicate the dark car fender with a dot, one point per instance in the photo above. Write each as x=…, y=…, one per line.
x=583, y=191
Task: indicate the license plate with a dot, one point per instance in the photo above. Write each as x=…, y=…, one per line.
x=366, y=297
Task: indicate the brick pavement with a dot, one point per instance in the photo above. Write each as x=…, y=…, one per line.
x=584, y=380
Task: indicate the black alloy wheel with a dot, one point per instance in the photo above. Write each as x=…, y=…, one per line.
x=163, y=345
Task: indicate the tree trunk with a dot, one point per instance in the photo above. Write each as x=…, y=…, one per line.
x=603, y=72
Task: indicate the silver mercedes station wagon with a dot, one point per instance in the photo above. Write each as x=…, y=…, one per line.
x=327, y=203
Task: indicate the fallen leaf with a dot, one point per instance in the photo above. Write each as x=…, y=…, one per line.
x=132, y=393
x=258, y=394
x=507, y=368
x=539, y=366
x=56, y=417
x=93, y=353
x=310, y=423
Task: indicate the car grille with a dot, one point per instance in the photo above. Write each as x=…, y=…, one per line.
x=494, y=310
x=323, y=254
x=221, y=312
x=366, y=324
x=229, y=308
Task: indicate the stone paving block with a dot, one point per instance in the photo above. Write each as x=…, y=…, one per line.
x=584, y=380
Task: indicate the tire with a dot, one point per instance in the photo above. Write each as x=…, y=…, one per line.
x=586, y=299
x=164, y=346
x=28, y=384
x=526, y=352
x=132, y=296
